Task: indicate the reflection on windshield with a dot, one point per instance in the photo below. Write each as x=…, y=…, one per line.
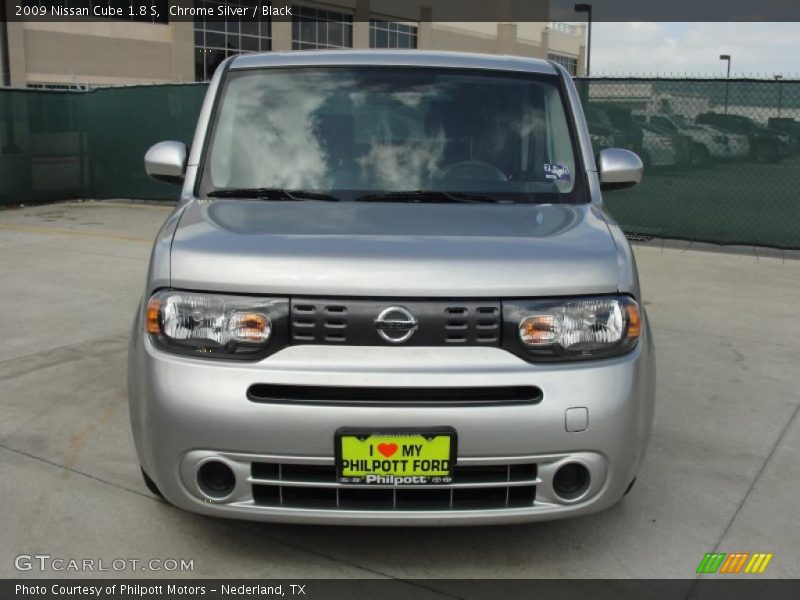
x=375, y=129
x=268, y=139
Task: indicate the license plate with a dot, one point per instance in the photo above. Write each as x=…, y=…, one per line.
x=396, y=457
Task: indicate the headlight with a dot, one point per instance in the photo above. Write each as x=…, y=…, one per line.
x=574, y=328
x=216, y=325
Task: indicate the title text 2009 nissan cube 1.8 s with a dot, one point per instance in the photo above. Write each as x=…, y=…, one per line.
x=390, y=294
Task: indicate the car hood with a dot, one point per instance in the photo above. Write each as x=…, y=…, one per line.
x=393, y=249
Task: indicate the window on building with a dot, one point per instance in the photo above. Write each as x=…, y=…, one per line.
x=313, y=28
x=216, y=38
x=57, y=86
x=391, y=34
x=563, y=27
x=570, y=63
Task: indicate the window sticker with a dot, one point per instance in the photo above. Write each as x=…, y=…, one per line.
x=556, y=172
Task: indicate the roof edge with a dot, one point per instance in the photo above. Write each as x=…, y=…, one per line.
x=397, y=58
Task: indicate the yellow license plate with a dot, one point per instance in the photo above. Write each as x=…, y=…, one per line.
x=407, y=457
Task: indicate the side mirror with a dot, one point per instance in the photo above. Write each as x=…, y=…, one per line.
x=166, y=161
x=619, y=168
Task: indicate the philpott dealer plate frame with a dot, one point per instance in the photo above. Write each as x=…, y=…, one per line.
x=411, y=452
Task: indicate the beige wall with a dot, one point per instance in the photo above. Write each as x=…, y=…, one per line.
x=566, y=43
x=16, y=53
x=100, y=52
x=520, y=39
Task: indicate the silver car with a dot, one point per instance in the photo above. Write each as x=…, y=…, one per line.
x=390, y=295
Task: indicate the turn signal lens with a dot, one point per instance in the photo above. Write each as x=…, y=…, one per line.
x=539, y=330
x=153, y=307
x=634, y=321
x=250, y=327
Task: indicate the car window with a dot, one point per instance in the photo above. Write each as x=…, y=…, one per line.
x=665, y=124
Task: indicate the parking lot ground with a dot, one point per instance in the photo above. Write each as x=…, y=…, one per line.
x=722, y=472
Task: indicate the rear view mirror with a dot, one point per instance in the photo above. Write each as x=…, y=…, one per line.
x=618, y=168
x=166, y=161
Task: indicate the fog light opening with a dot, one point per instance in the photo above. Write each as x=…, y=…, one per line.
x=571, y=481
x=216, y=479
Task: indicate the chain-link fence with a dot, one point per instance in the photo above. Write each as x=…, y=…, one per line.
x=722, y=156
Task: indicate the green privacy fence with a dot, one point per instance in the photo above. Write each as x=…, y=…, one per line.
x=59, y=145
x=722, y=156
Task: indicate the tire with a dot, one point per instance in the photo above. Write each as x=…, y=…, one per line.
x=764, y=153
x=701, y=157
x=151, y=485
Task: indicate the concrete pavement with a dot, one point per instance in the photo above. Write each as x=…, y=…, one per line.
x=722, y=472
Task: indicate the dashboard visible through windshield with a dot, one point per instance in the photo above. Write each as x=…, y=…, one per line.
x=391, y=134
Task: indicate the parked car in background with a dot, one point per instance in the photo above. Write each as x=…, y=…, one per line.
x=735, y=146
x=602, y=132
x=766, y=145
x=663, y=149
x=705, y=142
x=787, y=126
x=630, y=134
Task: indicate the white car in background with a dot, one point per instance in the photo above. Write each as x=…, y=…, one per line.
x=660, y=149
x=720, y=144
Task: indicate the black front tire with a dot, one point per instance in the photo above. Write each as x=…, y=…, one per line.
x=701, y=157
x=765, y=153
x=151, y=485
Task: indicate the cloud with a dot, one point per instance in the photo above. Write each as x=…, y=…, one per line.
x=760, y=49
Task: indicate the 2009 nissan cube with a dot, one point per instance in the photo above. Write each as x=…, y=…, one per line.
x=390, y=294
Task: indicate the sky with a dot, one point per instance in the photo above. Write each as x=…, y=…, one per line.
x=758, y=49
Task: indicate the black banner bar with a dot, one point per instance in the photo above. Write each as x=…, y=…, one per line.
x=165, y=11
x=397, y=589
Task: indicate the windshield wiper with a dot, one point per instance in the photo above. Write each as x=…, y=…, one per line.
x=428, y=196
x=271, y=194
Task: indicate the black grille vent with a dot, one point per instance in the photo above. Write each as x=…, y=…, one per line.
x=352, y=322
x=479, y=325
x=319, y=323
x=482, y=487
x=267, y=393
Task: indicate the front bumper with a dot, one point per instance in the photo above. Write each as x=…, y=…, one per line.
x=185, y=411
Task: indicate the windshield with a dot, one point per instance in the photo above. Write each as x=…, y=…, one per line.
x=664, y=124
x=352, y=132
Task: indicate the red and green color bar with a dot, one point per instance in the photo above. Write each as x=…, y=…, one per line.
x=734, y=562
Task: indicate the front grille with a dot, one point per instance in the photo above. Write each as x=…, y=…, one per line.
x=319, y=323
x=267, y=393
x=352, y=322
x=478, y=487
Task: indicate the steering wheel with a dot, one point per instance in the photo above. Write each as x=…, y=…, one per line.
x=473, y=169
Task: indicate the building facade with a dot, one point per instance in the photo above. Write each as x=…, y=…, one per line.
x=119, y=51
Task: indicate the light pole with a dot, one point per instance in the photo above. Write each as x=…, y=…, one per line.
x=726, y=57
x=780, y=95
x=587, y=8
